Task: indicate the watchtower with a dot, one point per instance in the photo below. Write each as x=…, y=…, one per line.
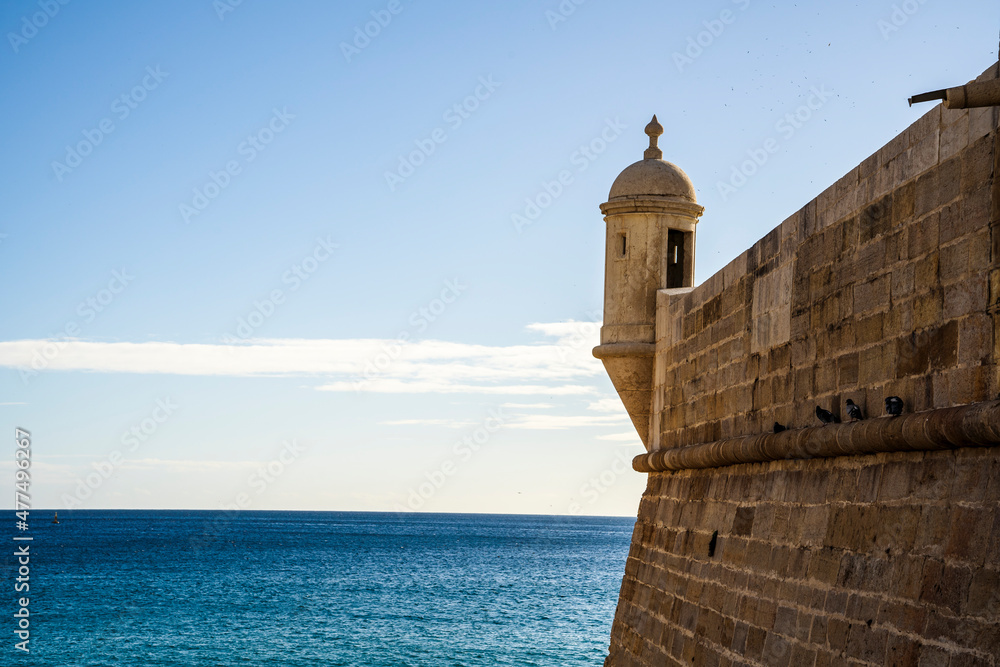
x=651, y=215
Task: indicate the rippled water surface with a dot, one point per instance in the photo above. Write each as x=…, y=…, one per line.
x=319, y=588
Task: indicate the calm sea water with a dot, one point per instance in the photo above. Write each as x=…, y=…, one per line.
x=317, y=588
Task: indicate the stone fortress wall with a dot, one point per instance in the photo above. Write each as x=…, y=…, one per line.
x=865, y=543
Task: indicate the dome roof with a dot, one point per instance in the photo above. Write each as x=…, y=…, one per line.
x=653, y=176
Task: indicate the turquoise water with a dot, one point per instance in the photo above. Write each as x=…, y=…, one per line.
x=318, y=588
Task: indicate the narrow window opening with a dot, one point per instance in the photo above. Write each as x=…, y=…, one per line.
x=675, y=258
x=624, y=246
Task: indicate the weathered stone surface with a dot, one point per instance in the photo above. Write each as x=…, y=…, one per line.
x=861, y=543
x=890, y=573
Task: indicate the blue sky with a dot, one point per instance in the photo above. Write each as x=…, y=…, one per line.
x=255, y=257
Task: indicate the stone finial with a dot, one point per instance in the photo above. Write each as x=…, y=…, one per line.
x=654, y=130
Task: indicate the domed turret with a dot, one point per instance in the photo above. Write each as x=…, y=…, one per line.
x=651, y=214
x=653, y=175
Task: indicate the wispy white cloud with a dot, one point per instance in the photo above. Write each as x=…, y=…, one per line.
x=629, y=437
x=561, y=422
x=449, y=423
x=443, y=386
x=190, y=465
x=14, y=403
x=561, y=368
x=607, y=405
x=527, y=406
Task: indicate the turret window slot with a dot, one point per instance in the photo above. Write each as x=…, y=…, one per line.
x=675, y=258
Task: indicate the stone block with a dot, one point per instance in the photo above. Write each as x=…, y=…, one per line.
x=872, y=294
x=932, y=349
x=896, y=481
x=975, y=339
x=953, y=261
x=945, y=585
x=743, y=521
x=923, y=235
x=932, y=656
x=950, y=223
x=968, y=385
x=981, y=123
x=901, y=651
x=980, y=249
x=954, y=137
x=867, y=644
x=976, y=164
x=976, y=210
x=875, y=219
x=984, y=594
x=869, y=330
x=904, y=199
x=932, y=479
x=968, y=296
x=949, y=180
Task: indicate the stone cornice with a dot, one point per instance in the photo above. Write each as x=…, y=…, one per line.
x=609, y=350
x=975, y=425
x=652, y=204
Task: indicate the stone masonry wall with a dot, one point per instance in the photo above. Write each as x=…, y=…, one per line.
x=886, y=284
x=868, y=560
x=877, y=287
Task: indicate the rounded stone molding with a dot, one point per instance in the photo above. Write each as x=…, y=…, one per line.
x=657, y=204
x=975, y=425
x=611, y=350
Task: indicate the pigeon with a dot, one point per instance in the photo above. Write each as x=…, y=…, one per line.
x=826, y=416
x=778, y=428
x=894, y=406
x=853, y=411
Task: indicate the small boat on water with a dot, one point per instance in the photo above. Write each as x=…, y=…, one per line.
x=55, y=519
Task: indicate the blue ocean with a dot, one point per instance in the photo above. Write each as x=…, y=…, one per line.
x=191, y=588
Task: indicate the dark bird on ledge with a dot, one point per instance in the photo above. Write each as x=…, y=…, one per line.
x=894, y=406
x=826, y=416
x=778, y=428
x=853, y=411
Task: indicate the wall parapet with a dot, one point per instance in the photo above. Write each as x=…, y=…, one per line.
x=975, y=425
